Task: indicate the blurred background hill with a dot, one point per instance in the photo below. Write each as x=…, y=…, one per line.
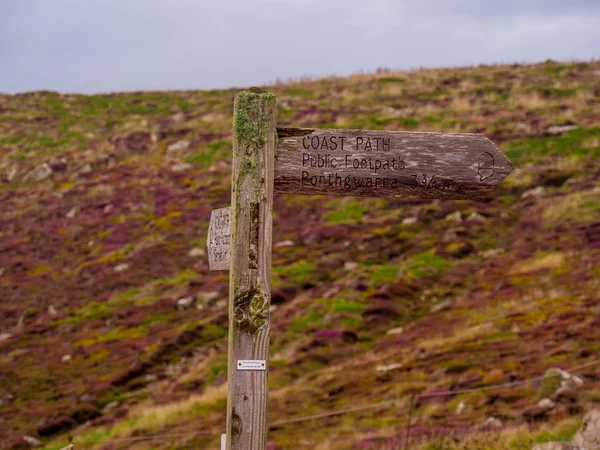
x=114, y=329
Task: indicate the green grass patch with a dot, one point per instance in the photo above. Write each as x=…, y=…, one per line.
x=392, y=80
x=426, y=264
x=113, y=123
x=351, y=322
x=95, y=310
x=181, y=279
x=47, y=141
x=94, y=105
x=548, y=92
x=218, y=367
x=348, y=306
x=12, y=140
x=433, y=94
x=574, y=142
x=213, y=332
x=406, y=122
x=410, y=123
x=305, y=321
x=55, y=107
x=131, y=293
x=381, y=121
x=421, y=265
x=433, y=119
x=457, y=366
x=139, y=108
x=212, y=152
x=298, y=273
x=347, y=214
x=184, y=105
x=299, y=92
x=555, y=69
x=385, y=273
x=118, y=334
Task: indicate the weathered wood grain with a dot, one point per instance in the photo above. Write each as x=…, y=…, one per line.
x=250, y=269
x=387, y=163
x=218, y=239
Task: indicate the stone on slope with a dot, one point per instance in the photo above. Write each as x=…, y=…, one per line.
x=475, y=217
x=33, y=442
x=535, y=192
x=349, y=266
x=39, y=173
x=286, y=243
x=196, y=252
x=185, y=302
x=121, y=267
x=388, y=367
x=588, y=435
x=442, y=306
x=178, y=146
x=492, y=252
x=397, y=330
x=181, y=167
x=546, y=404
x=86, y=168
x=72, y=213
x=490, y=424
x=560, y=129
x=11, y=173
x=456, y=216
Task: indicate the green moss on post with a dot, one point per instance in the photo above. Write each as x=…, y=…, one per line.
x=250, y=106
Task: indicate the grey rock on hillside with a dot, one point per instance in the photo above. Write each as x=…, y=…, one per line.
x=588, y=435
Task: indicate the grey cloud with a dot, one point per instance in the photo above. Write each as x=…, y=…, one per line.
x=113, y=45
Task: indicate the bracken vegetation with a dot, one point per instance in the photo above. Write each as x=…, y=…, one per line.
x=113, y=327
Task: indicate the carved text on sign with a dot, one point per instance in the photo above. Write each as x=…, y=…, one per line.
x=387, y=163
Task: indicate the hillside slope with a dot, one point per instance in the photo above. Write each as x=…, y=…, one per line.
x=111, y=318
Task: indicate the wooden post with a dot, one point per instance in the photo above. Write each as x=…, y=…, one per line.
x=250, y=268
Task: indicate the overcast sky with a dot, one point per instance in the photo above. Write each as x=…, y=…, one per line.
x=121, y=45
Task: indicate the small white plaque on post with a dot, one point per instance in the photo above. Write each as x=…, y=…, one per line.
x=223, y=442
x=251, y=364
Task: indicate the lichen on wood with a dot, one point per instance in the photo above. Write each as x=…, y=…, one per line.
x=250, y=111
x=251, y=309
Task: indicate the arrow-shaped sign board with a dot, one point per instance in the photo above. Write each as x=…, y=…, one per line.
x=387, y=163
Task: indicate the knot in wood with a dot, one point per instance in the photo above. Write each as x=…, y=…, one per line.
x=236, y=424
x=250, y=310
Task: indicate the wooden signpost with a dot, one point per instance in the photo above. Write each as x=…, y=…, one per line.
x=314, y=161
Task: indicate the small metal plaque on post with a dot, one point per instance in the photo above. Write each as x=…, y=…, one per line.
x=218, y=240
x=251, y=364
